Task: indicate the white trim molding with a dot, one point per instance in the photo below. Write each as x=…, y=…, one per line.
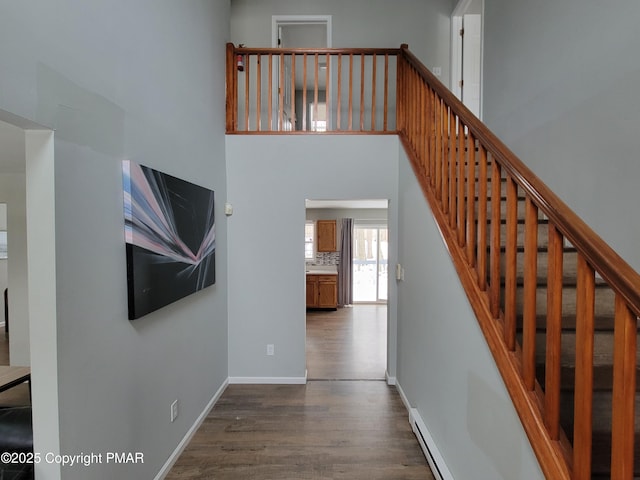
x=268, y=380
x=390, y=380
x=299, y=20
x=425, y=440
x=164, y=471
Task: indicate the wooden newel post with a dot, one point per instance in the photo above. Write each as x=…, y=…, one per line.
x=231, y=90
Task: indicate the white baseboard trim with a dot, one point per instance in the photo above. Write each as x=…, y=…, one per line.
x=268, y=380
x=403, y=397
x=190, y=433
x=390, y=380
x=427, y=444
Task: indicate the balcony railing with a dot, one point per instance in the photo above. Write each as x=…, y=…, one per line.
x=311, y=91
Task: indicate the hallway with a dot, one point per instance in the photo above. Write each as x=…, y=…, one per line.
x=345, y=423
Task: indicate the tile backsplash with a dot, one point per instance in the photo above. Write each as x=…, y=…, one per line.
x=326, y=258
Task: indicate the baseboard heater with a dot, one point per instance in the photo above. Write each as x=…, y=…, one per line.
x=435, y=460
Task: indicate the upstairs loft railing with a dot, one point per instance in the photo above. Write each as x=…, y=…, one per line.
x=478, y=191
x=311, y=91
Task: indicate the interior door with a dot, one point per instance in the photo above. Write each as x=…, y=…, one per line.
x=471, y=55
x=283, y=91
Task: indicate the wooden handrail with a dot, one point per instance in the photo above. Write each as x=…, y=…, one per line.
x=496, y=304
x=315, y=51
x=611, y=267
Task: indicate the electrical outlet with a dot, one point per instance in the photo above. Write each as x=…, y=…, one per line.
x=437, y=71
x=270, y=349
x=174, y=410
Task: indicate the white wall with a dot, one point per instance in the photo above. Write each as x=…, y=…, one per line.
x=561, y=88
x=121, y=80
x=12, y=192
x=269, y=178
x=445, y=367
x=423, y=24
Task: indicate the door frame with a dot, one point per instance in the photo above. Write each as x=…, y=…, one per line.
x=41, y=285
x=456, y=48
x=280, y=20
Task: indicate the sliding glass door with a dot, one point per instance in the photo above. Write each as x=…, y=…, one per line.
x=370, y=263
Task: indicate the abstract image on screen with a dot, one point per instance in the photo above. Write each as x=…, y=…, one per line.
x=170, y=238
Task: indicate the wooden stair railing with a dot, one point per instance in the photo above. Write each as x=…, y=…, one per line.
x=277, y=90
x=469, y=177
x=547, y=291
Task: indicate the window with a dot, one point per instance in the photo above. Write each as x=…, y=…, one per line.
x=318, y=118
x=309, y=235
x=370, y=263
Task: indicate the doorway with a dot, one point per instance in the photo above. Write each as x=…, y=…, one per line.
x=466, y=53
x=310, y=31
x=351, y=342
x=27, y=186
x=301, y=31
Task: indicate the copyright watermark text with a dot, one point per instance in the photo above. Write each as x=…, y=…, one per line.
x=86, y=459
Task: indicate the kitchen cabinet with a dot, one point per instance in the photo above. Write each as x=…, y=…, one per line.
x=322, y=291
x=327, y=240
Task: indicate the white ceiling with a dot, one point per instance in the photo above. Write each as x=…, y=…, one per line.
x=12, y=153
x=346, y=204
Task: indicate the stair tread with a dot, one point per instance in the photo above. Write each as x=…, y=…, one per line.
x=602, y=346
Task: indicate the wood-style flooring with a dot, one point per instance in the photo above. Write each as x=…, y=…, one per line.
x=347, y=344
x=351, y=426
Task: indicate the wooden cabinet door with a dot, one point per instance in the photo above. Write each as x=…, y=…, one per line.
x=312, y=291
x=328, y=291
x=327, y=241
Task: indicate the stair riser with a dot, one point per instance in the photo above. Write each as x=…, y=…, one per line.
x=604, y=301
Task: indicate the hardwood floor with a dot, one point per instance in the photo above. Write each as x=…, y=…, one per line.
x=345, y=423
x=347, y=344
x=322, y=430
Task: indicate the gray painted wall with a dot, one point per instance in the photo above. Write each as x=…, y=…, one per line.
x=139, y=81
x=445, y=367
x=269, y=178
x=561, y=88
x=423, y=24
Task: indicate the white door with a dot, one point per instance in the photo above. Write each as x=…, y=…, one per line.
x=284, y=89
x=471, y=55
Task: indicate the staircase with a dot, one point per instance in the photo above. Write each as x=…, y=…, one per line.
x=558, y=307
x=603, y=340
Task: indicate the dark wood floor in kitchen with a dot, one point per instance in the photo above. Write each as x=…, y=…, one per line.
x=349, y=343
x=353, y=428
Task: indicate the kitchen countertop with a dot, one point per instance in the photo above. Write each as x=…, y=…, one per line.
x=322, y=270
